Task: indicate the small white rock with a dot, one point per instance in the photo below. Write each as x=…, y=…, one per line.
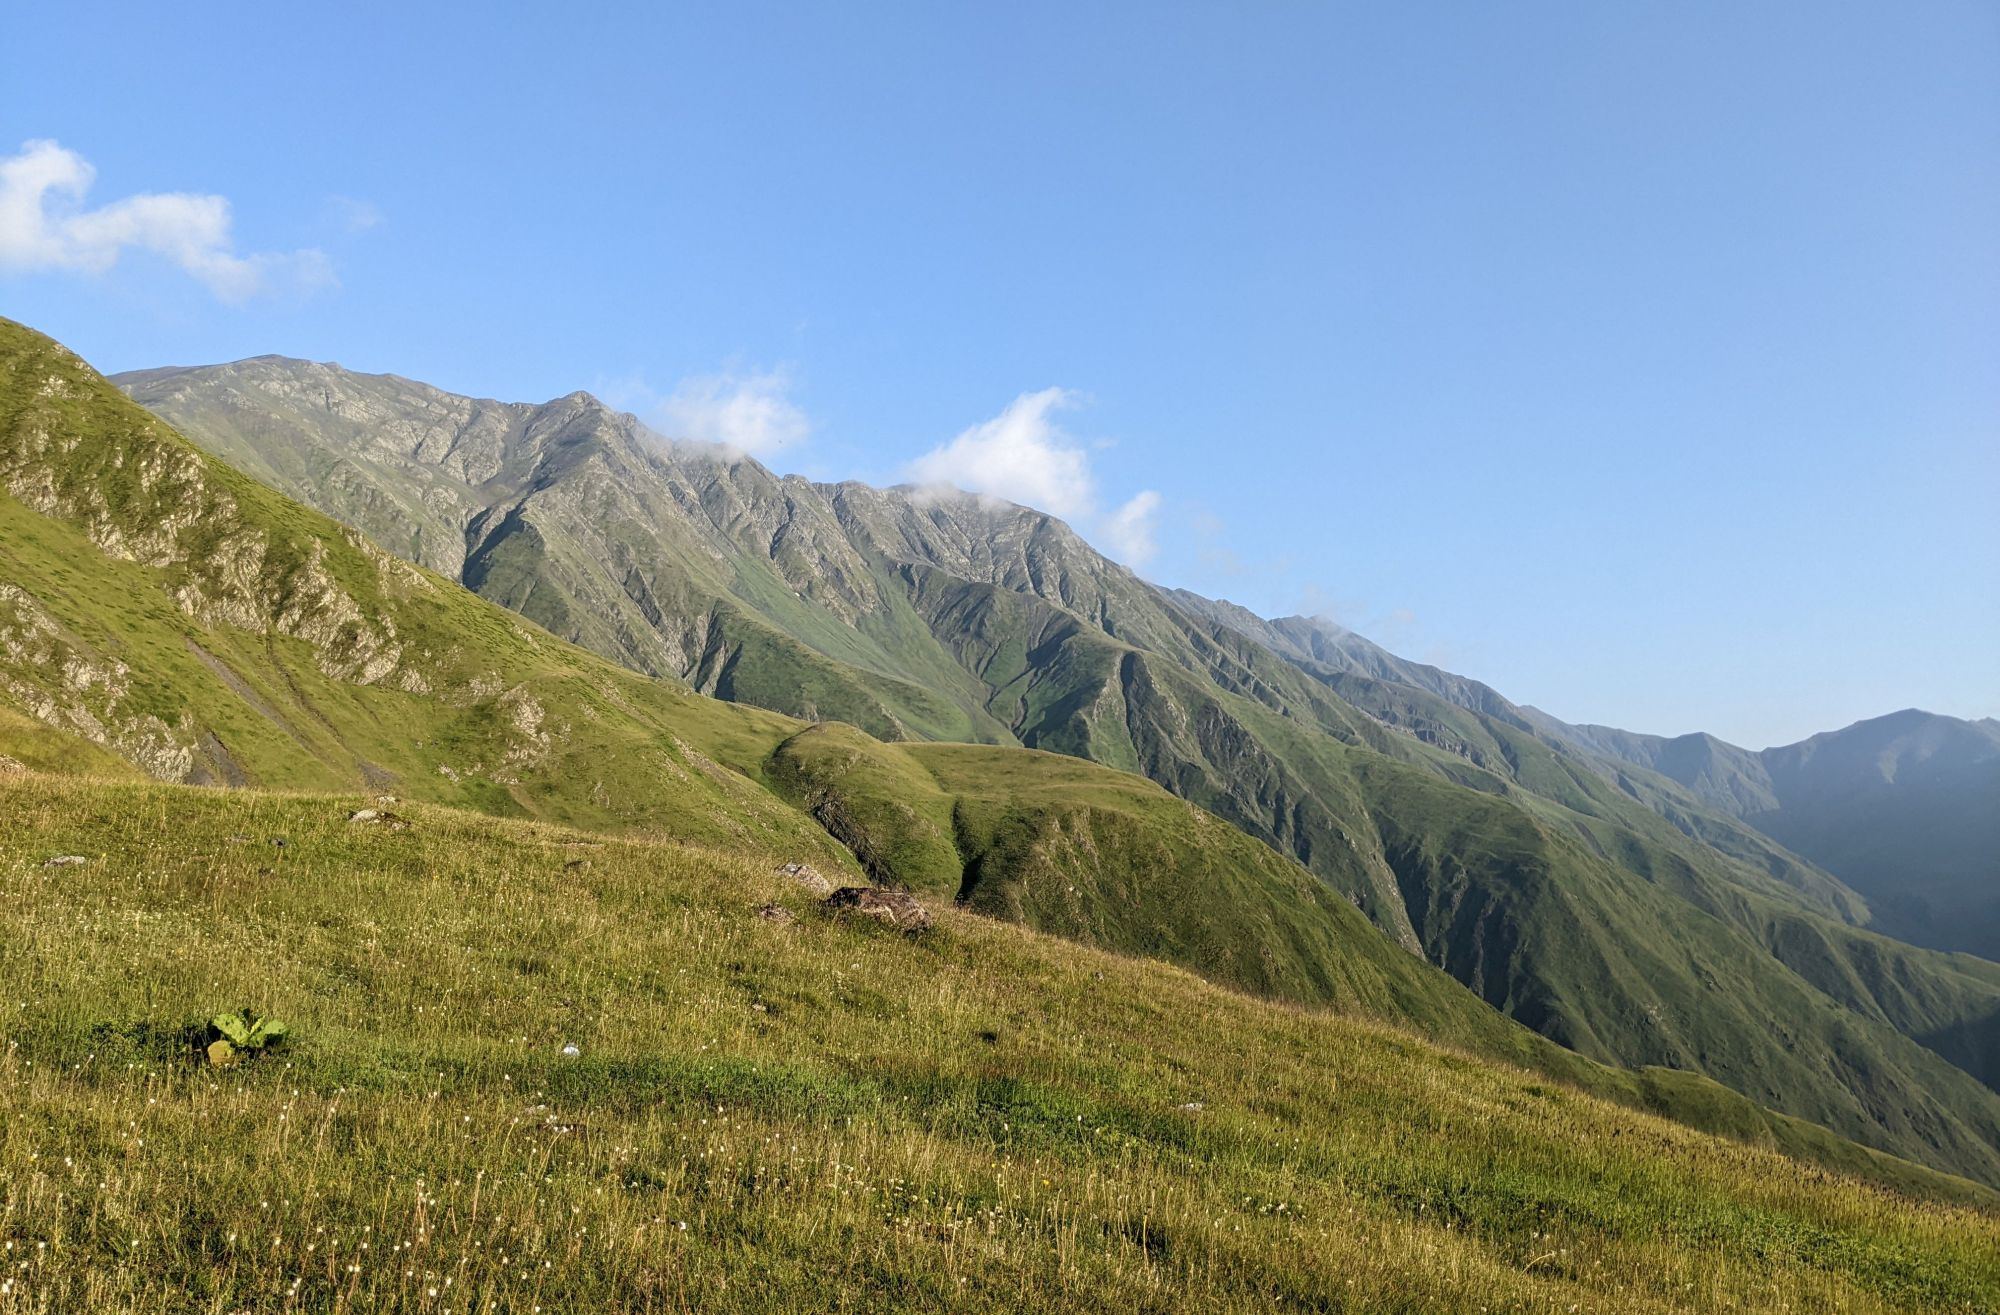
x=571, y=1050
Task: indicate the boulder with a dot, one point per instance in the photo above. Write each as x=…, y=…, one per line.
x=66, y=861
x=379, y=817
x=808, y=876
x=777, y=913
x=898, y=908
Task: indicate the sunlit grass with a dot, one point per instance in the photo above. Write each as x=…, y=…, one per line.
x=787, y=1118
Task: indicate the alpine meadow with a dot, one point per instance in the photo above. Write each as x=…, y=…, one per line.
x=748, y=835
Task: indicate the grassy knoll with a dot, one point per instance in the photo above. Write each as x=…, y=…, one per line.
x=802, y=1117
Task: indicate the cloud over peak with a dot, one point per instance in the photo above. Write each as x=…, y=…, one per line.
x=748, y=413
x=1023, y=455
x=44, y=226
x=1020, y=455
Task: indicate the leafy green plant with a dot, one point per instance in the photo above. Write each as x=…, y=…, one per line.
x=243, y=1032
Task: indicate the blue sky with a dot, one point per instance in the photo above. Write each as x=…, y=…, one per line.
x=1642, y=359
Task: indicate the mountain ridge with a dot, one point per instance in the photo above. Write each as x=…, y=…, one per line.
x=1922, y=846
x=509, y=721
x=1904, y=806
x=1533, y=871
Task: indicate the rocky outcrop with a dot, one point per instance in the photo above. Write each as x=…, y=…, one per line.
x=147, y=498
x=64, y=682
x=808, y=876
x=894, y=908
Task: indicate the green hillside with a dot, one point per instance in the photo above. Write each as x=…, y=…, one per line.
x=764, y=1116
x=1563, y=896
x=460, y=703
x=176, y=614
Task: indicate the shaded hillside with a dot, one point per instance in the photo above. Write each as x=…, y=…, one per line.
x=1904, y=808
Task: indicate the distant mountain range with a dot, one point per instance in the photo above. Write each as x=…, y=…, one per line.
x=1589, y=887
x=1904, y=808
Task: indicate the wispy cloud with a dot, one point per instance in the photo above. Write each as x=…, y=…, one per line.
x=44, y=226
x=1022, y=455
x=1129, y=532
x=748, y=413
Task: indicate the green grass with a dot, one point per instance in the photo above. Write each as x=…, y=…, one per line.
x=1621, y=918
x=209, y=612
x=820, y=1116
x=1113, y=861
x=270, y=698
x=158, y=598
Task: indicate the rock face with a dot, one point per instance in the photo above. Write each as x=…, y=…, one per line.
x=898, y=908
x=808, y=876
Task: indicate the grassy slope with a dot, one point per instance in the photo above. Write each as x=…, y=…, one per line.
x=1114, y=861
x=999, y=625
x=1766, y=897
x=819, y=1116
x=1604, y=934
x=262, y=678
x=1561, y=932
x=609, y=750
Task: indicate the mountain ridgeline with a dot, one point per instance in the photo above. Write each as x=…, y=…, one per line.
x=1602, y=900
x=167, y=616
x=1903, y=808
x=161, y=612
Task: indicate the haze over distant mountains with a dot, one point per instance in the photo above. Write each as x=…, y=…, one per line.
x=1603, y=897
x=1905, y=808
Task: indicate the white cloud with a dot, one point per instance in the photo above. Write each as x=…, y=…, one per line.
x=43, y=226
x=747, y=413
x=1019, y=455
x=1023, y=456
x=1129, y=531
